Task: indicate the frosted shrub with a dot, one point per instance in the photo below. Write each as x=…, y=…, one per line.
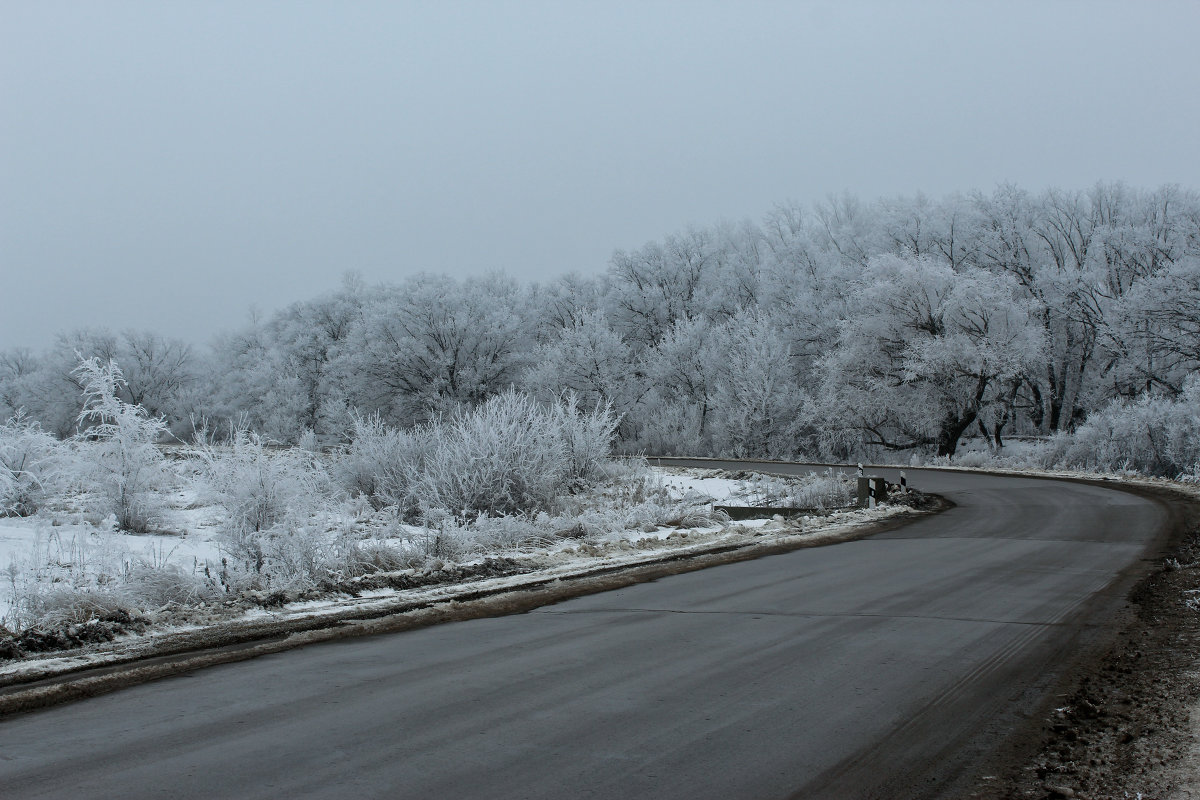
x=509, y=455
x=297, y=556
x=662, y=512
x=57, y=605
x=512, y=455
x=1193, y=476
x=500, y=458
x=515, y=532
x=830, y=490
x=364, y=557
x=166, y=585
x=119, y=448
x=1152, y=434
x=672, y=428
x=273, y=501
x=257, y=487
x=979, y=459
x=293, y=555
x=450, y=540
x=587, y=437
x=384, y=464
x=32, y=463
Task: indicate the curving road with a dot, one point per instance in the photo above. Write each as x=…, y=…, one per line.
x=892, y=666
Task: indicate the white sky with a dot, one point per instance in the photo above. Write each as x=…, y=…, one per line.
x=166, y=165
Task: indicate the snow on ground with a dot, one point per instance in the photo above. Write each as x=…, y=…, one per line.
x=818, y=489
x=72, y=539
x=65, y=536
x=682, y=483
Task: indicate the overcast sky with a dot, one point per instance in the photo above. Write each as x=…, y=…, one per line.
x=167, y=165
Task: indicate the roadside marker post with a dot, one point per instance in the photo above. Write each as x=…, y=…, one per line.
x=903, y=483
x=871, y=491
x=878, y=490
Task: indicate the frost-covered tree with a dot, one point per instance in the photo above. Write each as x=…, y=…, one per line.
x=158, y=371
x=251, y=385
x=118, y=446
x=433, y=345
x=558, y=304
x=757, y=404
x=16, y=367
x=1101, y=284
x=652, y=288
x=311, y=337
x=1154, y=336
x=923, y=352
x=681, y=369
x=592, y=362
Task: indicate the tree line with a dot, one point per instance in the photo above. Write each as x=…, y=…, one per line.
x=839, y=330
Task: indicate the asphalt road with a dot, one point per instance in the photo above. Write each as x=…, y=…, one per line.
x=886, y=667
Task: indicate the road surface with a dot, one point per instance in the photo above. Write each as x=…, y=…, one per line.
x=885, y=667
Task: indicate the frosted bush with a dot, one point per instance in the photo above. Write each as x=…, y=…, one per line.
x=369, y=556
x=500, y=458
x=669, y=428
x=1154, y=435
x=32, y=464
x=510, y=455
x=58, y=605
x=123, y=463
x=257, y=486
x=974, y=458
x=449, y=539
x=517, y=532
x=626, y=469
x=384, y=464
x=587, y=437
x=295, y=555
x=828, y=490
x=153, y=586
x=273, y=501
x=658, y=512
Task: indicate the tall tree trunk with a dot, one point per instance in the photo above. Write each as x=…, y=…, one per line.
x=952, y=430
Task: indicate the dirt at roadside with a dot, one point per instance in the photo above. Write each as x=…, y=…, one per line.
x=1128, y=724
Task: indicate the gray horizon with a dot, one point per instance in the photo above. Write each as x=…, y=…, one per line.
x=167, y=167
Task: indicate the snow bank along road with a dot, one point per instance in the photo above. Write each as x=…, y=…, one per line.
x=892, y=666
